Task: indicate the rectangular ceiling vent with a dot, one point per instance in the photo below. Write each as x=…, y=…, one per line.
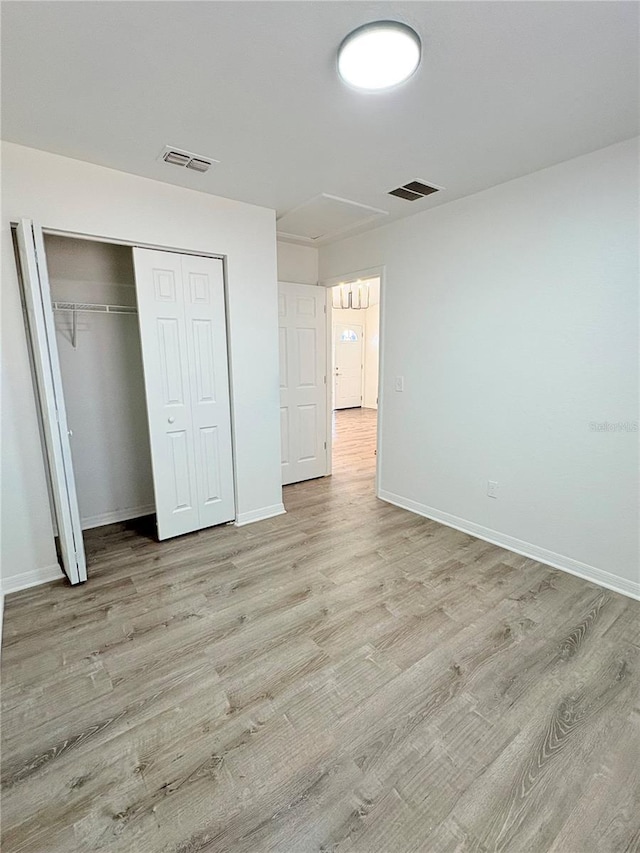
x=178, y=157
x=414, y=190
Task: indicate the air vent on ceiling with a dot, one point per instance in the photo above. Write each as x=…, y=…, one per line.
x=414, y=190
x=178, y=157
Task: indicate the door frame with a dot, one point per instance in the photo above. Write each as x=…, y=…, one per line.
x=353, y=276
x=98, y=238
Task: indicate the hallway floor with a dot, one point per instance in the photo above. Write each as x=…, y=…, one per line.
x=345, y=677
x=354, y=444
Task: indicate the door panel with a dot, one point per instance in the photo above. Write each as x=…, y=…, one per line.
x=303, y=394
x=184, y=348
x=307, y=358
x=308, y=427
x=181, y=473
x=348, y=361
x=161, y=316
x=210, y=400
x=172, y=361
x=37, y=295
x=211, y=458
x=204, y=362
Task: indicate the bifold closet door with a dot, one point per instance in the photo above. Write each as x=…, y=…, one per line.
x=181, y=312
x=303, y=391
x=37, y=297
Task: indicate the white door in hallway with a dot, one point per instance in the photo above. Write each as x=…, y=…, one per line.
x=303, y=396
x=347, y=366
x=181, y=312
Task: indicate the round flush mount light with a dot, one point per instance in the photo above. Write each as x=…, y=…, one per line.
x=379, y=55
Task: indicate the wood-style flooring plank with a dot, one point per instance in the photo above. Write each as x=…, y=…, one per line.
x=346, y=677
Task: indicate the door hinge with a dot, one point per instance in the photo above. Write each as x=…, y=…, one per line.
x=325, y=445
x=325, y=380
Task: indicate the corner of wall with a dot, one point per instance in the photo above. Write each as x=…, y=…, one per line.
x=35, y=577
x=296, y=263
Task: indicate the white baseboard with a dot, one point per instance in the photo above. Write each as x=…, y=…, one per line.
x=116, y=516
x=33, y=578
x=526, y=549
x=259, y=514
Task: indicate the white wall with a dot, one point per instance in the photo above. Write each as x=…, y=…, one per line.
x=103, y=380
x=298, y=264
x=513, y=316
x=70, y=195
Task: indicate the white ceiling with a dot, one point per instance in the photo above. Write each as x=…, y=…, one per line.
x=504, y=89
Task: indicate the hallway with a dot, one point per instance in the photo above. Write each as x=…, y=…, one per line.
x=354, y=442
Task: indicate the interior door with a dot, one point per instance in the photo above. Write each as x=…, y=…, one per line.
x=347, y=366
x=37, y=297
x=303, y=391
x=181, y=312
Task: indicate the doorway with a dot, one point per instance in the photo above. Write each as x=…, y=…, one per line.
x=355, y=356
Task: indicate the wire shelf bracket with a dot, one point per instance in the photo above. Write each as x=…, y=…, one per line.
x=90, y=307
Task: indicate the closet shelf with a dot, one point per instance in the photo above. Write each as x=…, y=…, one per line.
x=92, y=306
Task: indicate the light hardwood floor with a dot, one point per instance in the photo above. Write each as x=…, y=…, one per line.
x=347, y=677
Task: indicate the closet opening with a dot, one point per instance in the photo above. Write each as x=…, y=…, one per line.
x=93, y=294
x=131, y=372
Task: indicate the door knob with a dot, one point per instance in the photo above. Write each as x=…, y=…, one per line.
x=171, y=419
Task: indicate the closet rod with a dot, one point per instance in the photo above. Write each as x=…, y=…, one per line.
x=90, y=307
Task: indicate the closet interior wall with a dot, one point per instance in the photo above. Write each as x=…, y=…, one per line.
x=103, y=379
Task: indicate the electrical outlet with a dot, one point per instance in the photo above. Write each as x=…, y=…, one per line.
x=399, y=383
x=492, y=488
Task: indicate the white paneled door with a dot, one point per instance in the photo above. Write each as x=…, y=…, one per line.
x=42, y=336
x=181, y=311
x=348, y=361
x=303, y=391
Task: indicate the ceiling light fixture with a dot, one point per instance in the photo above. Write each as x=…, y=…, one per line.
x=351, y=295
x=379, y=55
